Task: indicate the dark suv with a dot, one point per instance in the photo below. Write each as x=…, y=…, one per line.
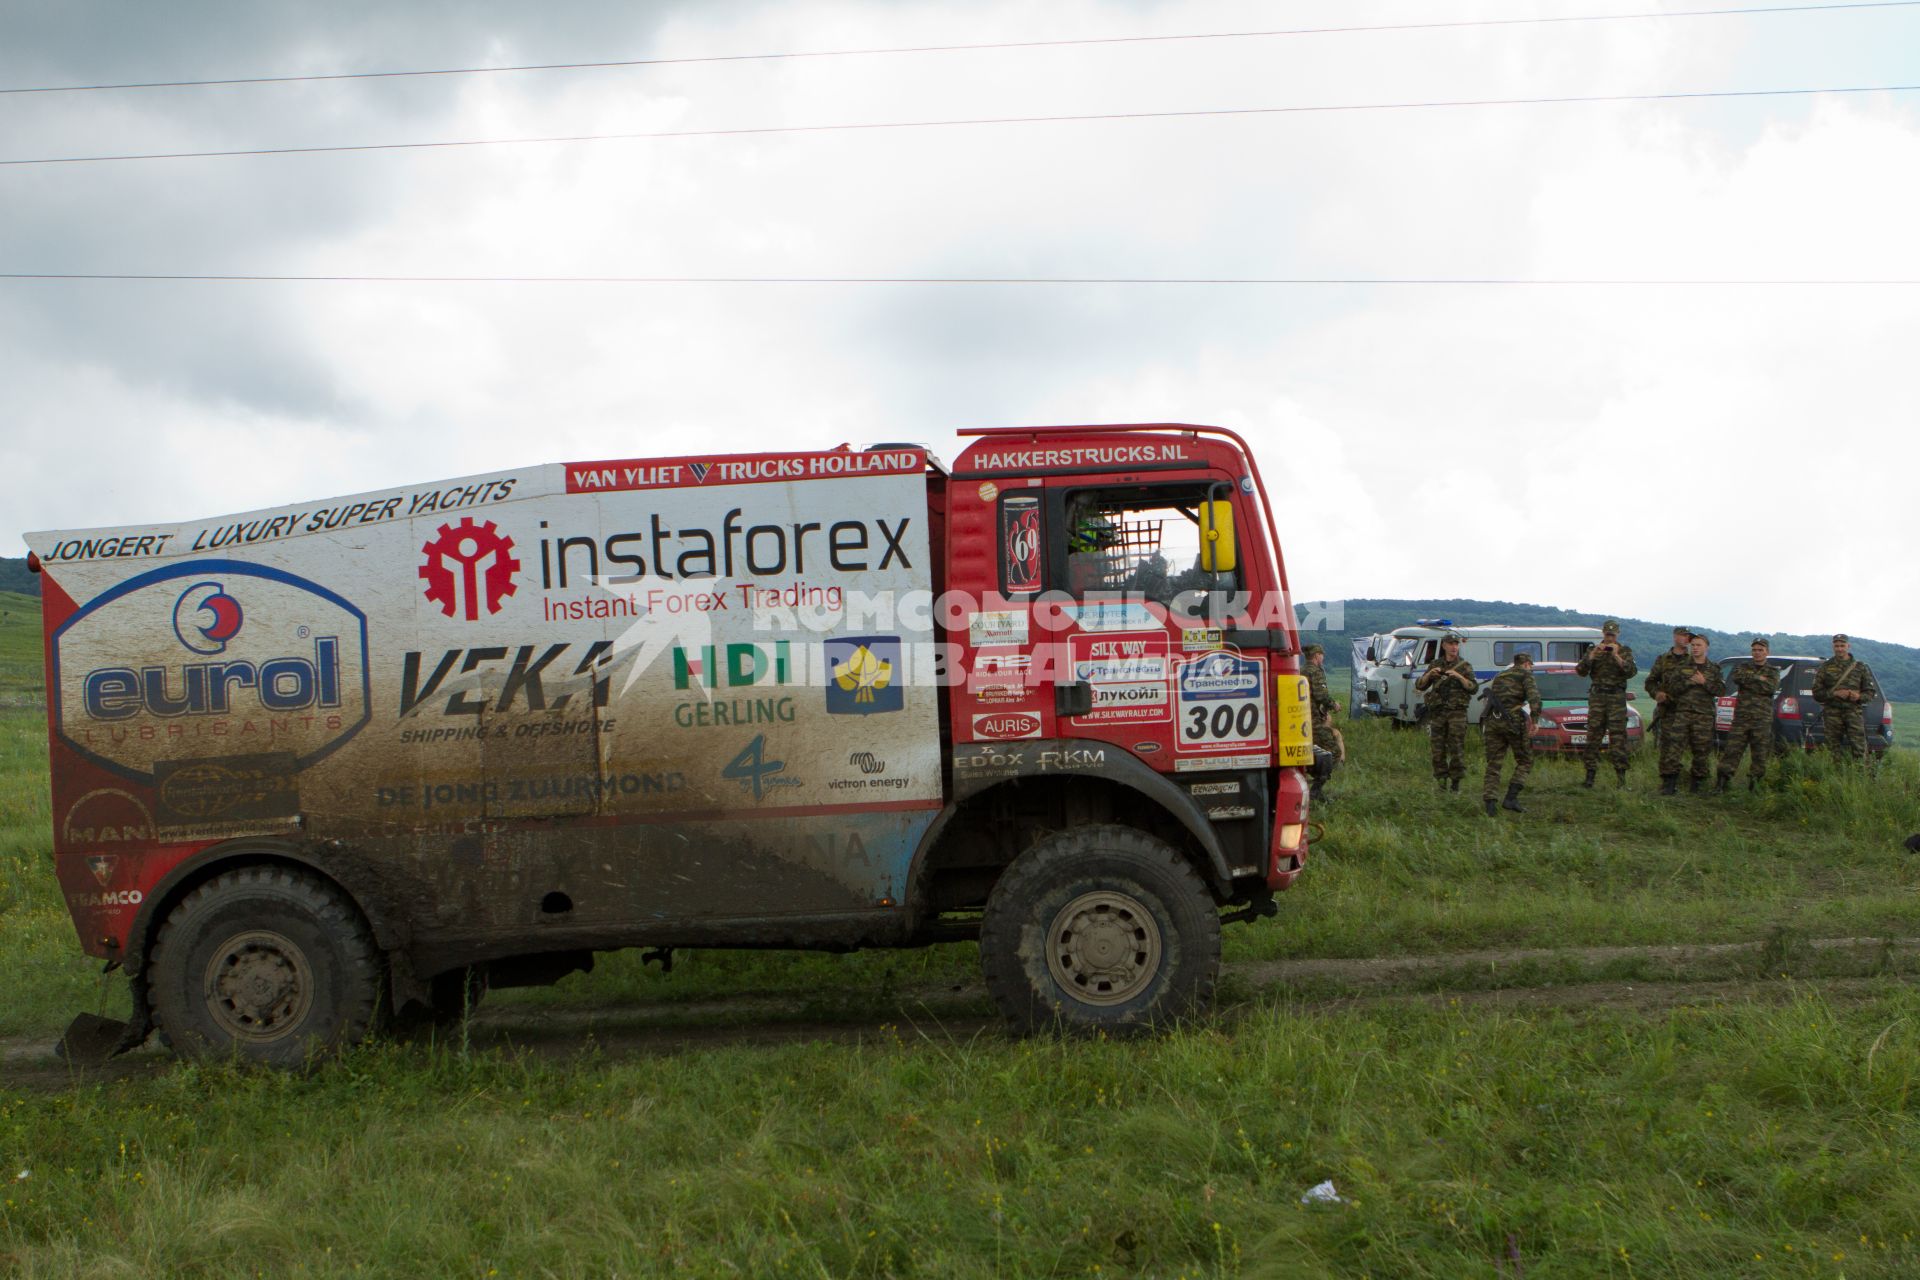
x=1797, y=718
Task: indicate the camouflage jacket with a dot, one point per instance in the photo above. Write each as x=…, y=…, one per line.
x=1688, y=698
x=1755, y=683
x=1444, y=693
x=1607, y=672
x=1513, y=689
x=1317, y=691
x=1833, y=675
x=1656, y=681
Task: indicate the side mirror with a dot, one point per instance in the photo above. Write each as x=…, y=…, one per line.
x=1218, y=553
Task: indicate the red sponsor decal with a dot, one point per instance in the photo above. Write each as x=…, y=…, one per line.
x=1001, y=725
x=1020, y=543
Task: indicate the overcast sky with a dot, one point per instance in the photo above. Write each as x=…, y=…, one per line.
x=1739, y=457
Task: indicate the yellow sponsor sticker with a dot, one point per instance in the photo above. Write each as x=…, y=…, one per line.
x=1293, y=735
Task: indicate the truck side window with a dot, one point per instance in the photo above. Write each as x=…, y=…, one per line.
x=1567, y=650
x=1504, y=650
x=1140, y=541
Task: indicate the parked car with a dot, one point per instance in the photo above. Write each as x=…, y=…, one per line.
x=1561, y=729
x=1399, y=659
x=1797, y=718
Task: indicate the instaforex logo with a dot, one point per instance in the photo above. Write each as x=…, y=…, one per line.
x=244, y=659
x=468, y=567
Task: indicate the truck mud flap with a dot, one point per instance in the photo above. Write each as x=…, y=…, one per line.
x=90, y=1040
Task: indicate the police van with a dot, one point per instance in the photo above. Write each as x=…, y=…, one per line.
x=1398, y=659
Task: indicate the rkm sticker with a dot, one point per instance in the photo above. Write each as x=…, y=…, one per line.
x=1222, y=703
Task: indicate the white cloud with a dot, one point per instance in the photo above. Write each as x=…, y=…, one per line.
x=1631, y=450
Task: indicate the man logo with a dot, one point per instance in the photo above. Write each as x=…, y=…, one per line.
x=205, y=617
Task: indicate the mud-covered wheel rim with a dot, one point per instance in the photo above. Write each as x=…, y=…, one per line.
x=1104, y=948
x=258, y=986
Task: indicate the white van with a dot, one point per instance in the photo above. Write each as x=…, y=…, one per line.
x=1396, y=660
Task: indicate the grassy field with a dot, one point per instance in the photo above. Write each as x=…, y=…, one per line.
x=1565, y=1116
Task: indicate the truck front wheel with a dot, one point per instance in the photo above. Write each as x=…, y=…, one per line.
x=1100, y=929
x=264, y=963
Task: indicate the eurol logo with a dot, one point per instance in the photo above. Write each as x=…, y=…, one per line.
x=208, y=659
x=1000, y=726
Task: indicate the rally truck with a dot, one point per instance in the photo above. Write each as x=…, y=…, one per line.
x=332, y=763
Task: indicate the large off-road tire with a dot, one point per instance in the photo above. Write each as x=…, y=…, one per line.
x=1100, y=929
x=267, y=964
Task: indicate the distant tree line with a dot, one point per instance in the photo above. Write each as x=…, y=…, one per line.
x=15, y=576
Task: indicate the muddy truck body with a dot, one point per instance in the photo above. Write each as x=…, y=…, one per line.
x=321, y=766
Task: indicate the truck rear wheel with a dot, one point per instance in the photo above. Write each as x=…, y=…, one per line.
x=264, y=963
x=1100, y=929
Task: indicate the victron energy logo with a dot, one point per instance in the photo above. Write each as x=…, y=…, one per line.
x=468, y=567
x=207, y=660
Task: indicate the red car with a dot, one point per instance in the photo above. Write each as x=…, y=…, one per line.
x=1561, y=729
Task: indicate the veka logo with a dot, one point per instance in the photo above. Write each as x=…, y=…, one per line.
x=862, y=675
x=290, y=670
x=205, y=617
x=469, y=565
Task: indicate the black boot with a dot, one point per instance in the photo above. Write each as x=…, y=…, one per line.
x=1720, y=783
x=1693, y=785
x=1493, y=807
x=1621, y=777
x=1453, y=785
x=1513, y=798
x=1591, y=770
x=1669, y=785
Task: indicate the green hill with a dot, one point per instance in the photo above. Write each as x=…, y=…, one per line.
x=1896, y=665
x=16, y=577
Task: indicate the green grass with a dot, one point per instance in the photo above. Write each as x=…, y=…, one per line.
x=22, y=669
x=1773, y=1133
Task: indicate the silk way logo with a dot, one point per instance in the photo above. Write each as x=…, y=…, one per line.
x=469, y=565
x=205, y=617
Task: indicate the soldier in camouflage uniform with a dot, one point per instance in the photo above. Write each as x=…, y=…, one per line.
x=1692, y=690
x=1449, y=685
x=1843, y=685
x=1608, y=666
x=1505, y=727
x=1326, y=739
x=1754, y=683
x=1656, y=682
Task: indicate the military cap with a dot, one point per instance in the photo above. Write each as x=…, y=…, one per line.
x=1310, y=650
x=1610, y=627
x=1841, y=638
x=1762, y=641
x=1683, y=631
x=1451, y=635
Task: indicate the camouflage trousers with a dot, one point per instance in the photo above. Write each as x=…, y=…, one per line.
x=1500, y=740
x=1606, y=718
x=1755, y=736
x=1448, y=729
x=1683, y=732
x=1324, y=736
x=1846, y=730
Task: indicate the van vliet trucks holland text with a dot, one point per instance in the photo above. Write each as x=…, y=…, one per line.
x=319, y=765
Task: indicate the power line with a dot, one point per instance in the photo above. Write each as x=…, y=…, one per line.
x=873, y=126
x=1463, y=281
x=969, y=48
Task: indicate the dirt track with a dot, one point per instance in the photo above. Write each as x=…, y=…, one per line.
x=1666, y=977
